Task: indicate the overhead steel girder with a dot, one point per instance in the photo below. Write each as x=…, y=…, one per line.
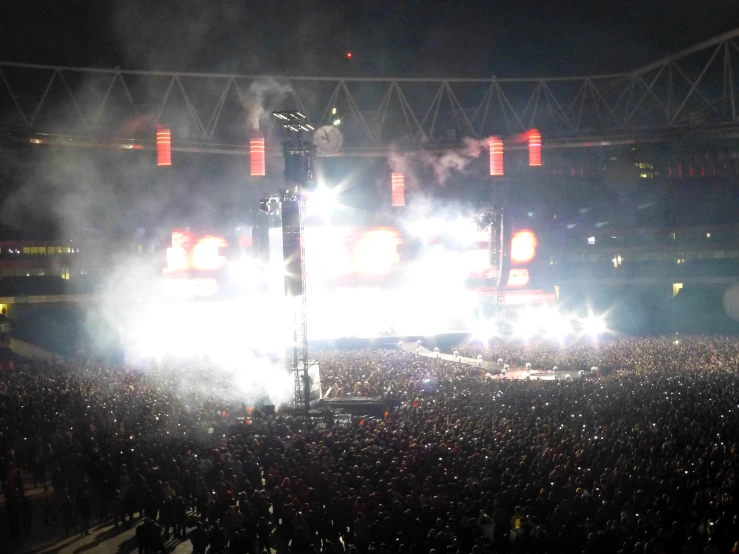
x=693, y=87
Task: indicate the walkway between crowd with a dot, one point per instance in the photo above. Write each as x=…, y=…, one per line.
x=420, y=350
x=493, y=368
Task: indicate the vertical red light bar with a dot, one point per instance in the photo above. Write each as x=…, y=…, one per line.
x=496, y=156
x=164, y=146
x=534, y=148
x=256, y=155
x=397, y=185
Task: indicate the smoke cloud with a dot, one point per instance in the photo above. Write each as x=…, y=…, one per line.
x=262, y=97
x=442, y=165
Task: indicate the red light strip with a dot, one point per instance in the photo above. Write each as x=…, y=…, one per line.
x=164, y=147
x=534, y=148
x=496, y=157
x=397, y=186
x=256, y=156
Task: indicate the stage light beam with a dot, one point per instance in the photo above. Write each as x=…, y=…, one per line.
x=322, y=202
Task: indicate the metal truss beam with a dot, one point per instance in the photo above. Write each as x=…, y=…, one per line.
x=692, y=88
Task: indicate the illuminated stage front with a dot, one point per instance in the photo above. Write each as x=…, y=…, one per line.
x=216, y=295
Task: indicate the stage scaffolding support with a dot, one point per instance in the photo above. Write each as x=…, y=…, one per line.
x=493, y=221
x=298, y=155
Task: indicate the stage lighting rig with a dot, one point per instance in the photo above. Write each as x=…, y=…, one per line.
x=297, y=151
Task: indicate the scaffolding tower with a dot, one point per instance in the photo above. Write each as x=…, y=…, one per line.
x=298, y=154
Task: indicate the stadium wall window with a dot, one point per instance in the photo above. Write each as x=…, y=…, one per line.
x=34, y=250
x=676, y=288
x=26, y=249
x=65, y=273
x=42, y=250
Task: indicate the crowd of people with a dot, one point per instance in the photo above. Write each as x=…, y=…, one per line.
x=640, y=459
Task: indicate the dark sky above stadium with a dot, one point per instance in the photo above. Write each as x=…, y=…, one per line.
x=387, y=37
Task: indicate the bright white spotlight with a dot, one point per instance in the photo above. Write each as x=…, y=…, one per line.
x=322, y=202
x=594, y=326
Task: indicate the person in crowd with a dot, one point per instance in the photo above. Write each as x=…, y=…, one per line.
x=48, y=507
x=217, y=539
x=26, y=515
x=166, y=517
x=199, y=539
x=68, y=515
x=179, y=517
x=142, y=536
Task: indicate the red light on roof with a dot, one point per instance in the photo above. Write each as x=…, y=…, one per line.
x=348, y=55
x=534, y=148
x=496, y=156
x=397, y=186
x=164, y=146
x=256, y=156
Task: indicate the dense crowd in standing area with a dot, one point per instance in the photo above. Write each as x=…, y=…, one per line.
x=641, y=459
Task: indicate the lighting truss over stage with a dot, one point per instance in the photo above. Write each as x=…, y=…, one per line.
x=695, y=88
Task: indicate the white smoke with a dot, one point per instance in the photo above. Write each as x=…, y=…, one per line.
x=204, y=342
x=442, y=164
x=261, y=98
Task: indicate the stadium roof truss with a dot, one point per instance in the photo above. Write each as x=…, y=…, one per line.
x=695, y=88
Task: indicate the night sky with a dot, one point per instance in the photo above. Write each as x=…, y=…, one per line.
x=387, y=37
